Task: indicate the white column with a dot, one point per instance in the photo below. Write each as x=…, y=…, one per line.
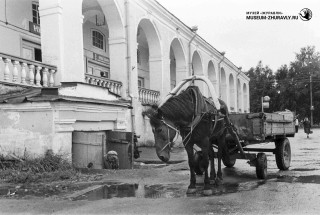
x=62, y=38
x=156, y=76
x=118, y=64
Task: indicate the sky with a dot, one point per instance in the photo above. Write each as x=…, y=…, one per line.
x=223, y=23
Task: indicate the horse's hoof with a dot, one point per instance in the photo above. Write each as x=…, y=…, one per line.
x=191, y=190
x=207, y=192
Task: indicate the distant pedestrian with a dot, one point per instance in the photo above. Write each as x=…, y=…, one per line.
x=307, y=126
x=297, y=125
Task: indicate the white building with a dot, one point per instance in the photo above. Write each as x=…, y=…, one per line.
x=90, y=61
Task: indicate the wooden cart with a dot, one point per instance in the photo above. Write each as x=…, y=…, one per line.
x=249, y=129
x=255, y=128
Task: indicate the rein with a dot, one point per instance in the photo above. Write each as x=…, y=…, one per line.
x=194, y=124
x=175, y=137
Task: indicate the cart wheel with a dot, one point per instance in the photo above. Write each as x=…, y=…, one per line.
x=261, y=166
x=283, y=154
x=227, y=161
x=197, y=160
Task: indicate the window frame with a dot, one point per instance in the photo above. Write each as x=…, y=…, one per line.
x=141, y=80
x=102, y=40
x=36, y=16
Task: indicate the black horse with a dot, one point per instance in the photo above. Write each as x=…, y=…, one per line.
x=198, y=122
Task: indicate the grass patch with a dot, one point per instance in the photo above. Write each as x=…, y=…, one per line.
x=50, y=167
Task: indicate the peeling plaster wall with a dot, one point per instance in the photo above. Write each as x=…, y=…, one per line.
x=28, y=131
x=33, y=128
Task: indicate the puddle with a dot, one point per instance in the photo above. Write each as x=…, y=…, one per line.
x=314, y=179
x=310, y=179
x=133, y=190
x=161, y=191
x=303, y=170
x=22, y=192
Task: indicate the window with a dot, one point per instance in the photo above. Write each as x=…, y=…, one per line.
x=104, y=73
x=31, y=50
x=98, y=39
x=35, y=13
x=97, y=69
x=90, y=70
x=138, y=57
x=140, y=82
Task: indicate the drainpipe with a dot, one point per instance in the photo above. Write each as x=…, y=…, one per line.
x=219, y=67
x=194, y=30
x=239, y=72
x=129, y=73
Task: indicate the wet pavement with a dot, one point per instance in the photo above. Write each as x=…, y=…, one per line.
x=157, y=188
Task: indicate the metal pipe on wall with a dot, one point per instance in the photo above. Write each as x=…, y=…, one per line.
x=129, y=75
x=194, y=30
x=219, y=67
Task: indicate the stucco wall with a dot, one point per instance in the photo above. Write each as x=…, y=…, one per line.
x=33, y=128
x=27, y=129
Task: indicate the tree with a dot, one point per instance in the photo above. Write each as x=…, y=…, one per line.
x=306, y=64
x=289, y=86
x=262, y=83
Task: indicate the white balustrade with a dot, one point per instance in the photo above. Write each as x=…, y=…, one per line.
x=15, y=71
x=6, y=69
x=31, y=75
x=51, y=79
x=147, y=96
x=23, y=73
x=45, y=77
x=26, y=72
x=38, y=76
x=112, y=85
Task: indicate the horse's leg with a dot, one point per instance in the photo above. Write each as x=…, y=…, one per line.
x=212, y=168
x=205, y=147
x=221, y=142
x=192, y=186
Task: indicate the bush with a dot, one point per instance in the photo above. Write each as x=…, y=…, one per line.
x=51, y=167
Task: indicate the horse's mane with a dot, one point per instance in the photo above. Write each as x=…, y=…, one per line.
x=176, y=108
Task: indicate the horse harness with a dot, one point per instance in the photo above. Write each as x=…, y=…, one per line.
x=201, y=109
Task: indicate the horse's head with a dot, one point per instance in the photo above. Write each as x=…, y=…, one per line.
x=164, y=132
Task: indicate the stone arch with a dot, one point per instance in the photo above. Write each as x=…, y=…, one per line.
x=212, y=75
x=196, y=64
x=245, y=98
x=104, y=16
x=232, y=96
x=223, y=84
x=149, y=57
x=178, y=69
x=197, y=69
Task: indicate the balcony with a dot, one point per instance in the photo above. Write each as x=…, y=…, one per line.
x=16, y=70
x=113, y=86
x=148, y=97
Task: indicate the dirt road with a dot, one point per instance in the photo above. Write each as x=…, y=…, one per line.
x=160, y=189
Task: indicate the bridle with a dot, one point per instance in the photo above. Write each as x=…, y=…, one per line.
x=192, y=126
x=170, y=143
